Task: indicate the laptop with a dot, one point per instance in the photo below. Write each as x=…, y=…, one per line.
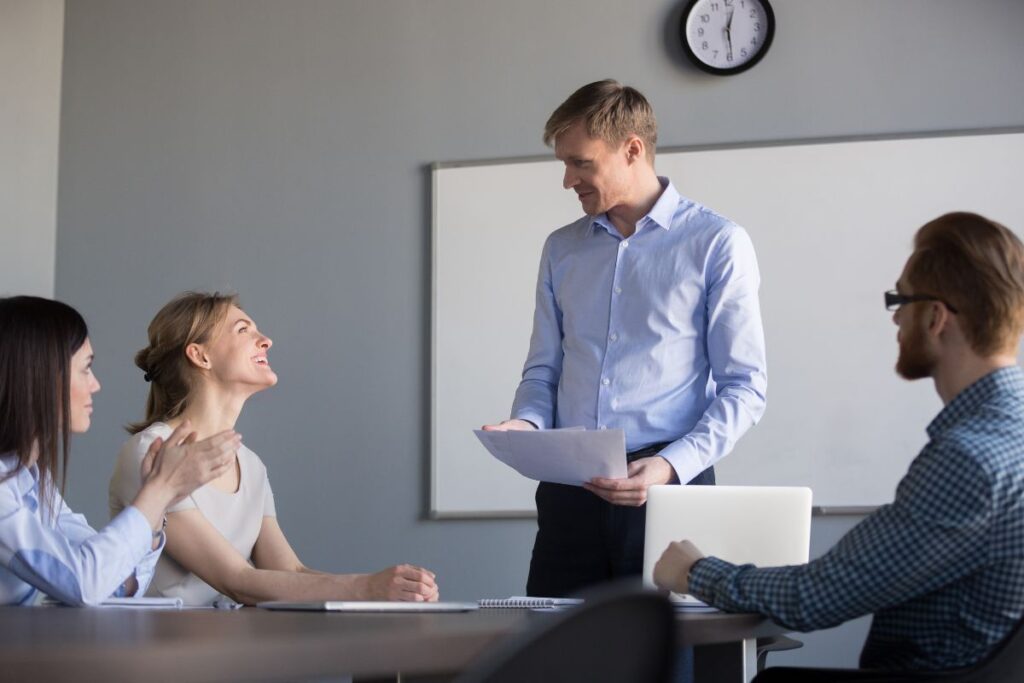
x=763, y=525
x=368, y=606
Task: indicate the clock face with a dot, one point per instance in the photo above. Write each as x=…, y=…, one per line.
x=727, y=36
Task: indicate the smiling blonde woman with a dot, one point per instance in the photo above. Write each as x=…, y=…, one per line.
x=204, y=360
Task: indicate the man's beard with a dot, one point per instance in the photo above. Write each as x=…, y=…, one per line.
x=914, y=362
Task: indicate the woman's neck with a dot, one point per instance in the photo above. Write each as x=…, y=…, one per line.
x=33, y=456
x=211, y=411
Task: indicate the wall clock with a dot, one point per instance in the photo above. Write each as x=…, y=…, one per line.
x=725, y=37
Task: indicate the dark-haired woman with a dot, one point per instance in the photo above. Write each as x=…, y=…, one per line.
x=204, y=360
x=46, y=388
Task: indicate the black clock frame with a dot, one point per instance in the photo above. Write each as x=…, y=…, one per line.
x=707, y=68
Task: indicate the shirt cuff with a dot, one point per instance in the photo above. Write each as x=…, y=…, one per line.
x=145, y=568
x=531, y=416
x=136, y=530
x=705, y=574
x=683, y=457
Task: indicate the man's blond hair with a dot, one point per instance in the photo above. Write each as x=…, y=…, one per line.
x=609, y=111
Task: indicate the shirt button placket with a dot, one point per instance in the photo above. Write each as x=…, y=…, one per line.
x=605, y=396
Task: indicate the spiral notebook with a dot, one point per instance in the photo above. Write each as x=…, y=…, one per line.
x=523, y=602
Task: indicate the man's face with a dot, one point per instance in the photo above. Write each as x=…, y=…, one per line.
x=917, y=358
x=598, y=173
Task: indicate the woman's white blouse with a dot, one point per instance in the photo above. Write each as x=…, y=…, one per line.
x=237, y=516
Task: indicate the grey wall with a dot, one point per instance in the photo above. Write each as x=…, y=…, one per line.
x=31, y=41
x=281, y=149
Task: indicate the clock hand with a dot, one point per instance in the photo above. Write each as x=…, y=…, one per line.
x=728, y=32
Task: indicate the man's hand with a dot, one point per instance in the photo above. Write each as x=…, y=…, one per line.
x=672, y=572
x=641, y=474
x=509, y=426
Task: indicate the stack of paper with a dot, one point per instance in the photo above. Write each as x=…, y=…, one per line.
x=150, y=603
x=684, y=602
x=561, y=456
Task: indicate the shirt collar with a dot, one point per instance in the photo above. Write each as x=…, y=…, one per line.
x=27, y=478
x=664, y=210
x=1008, y=380
x=661, y=214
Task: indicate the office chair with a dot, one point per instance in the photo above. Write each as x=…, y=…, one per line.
x=1005, y=664
x=620, y=635
x=766, y=646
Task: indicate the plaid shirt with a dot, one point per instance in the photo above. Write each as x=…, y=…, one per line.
x=941, y=567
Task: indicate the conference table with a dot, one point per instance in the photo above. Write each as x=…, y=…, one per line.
x=250, y=644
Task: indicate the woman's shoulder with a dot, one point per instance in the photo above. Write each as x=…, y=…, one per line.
x=126, y=480
x=136, y=446
x=252, y=462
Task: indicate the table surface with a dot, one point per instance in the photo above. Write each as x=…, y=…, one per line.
x=252, y=644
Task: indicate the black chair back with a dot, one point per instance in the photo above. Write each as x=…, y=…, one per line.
x=1004, y=665
x=626, y=636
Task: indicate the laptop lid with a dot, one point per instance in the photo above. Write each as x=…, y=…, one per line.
x=368, y=606
x=763, y=525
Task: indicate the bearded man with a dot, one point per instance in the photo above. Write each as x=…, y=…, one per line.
x=942, y=566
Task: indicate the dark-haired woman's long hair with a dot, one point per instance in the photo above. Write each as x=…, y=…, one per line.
x=38, y=337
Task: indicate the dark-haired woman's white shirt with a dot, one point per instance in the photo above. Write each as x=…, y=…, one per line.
x=58, y=554
x=237, y=516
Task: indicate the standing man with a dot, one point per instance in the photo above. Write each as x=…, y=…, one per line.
x=646, y=320
x=942, y=566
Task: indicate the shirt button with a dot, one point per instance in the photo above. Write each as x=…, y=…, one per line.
x=606, y=381
x=613, y=336
x=625, y=244
x=603, y=427
x=618, y=290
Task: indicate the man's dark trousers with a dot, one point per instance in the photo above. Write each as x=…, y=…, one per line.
x=584, y=540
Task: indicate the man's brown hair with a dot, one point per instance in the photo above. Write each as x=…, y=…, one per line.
x=609, y=111
x=977, y=266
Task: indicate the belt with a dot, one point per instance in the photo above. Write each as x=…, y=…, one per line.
x=647, y=451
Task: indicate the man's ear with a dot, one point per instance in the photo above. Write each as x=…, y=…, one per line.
x=939, y=318
x=635, y=149
x=197, y=355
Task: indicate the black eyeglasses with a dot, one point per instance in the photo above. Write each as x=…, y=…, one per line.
x=894, y=300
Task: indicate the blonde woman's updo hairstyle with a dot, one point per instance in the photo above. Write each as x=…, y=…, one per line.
x=189, y=318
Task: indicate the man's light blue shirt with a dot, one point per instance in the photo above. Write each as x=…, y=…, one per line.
x=658, y=334
x=58, y=554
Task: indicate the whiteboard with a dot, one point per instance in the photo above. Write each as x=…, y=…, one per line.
x=832, y=223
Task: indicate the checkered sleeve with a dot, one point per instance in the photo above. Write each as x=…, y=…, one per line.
x=933, y=533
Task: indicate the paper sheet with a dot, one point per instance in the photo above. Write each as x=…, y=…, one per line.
x=684, y=602
x=561, y=456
